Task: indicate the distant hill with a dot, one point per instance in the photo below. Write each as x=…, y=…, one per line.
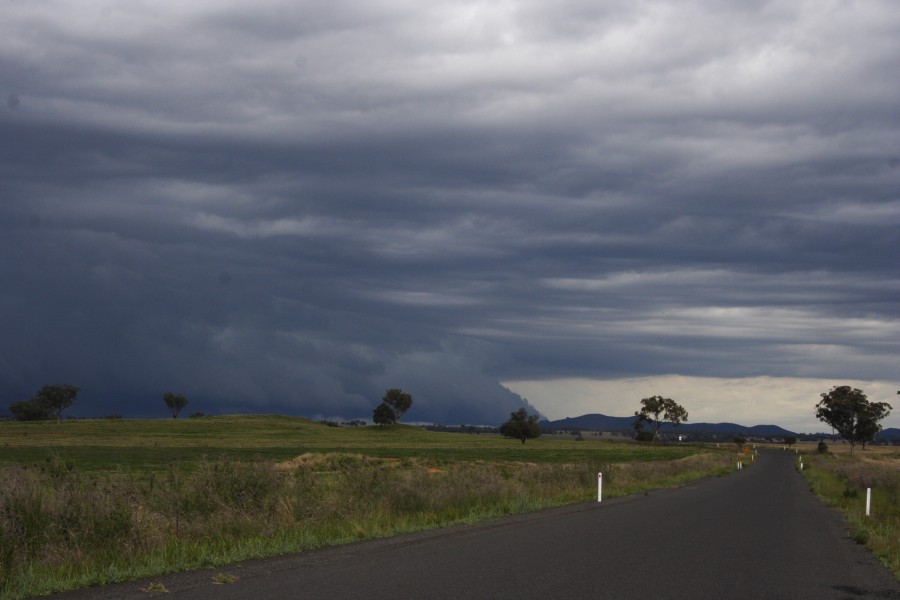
x=890, y=434
x=593, y=422
x=598, y=422
x=756, y=430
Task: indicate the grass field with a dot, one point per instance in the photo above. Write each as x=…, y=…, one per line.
x=89, y=502
x=841, y=480
x=146, y=445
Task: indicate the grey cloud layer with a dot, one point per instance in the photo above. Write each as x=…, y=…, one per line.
x=295, y=206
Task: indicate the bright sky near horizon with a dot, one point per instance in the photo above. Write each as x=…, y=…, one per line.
x=788, y=402
x=278, y=206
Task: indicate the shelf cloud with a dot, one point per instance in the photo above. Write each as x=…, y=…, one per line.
x=281, y=206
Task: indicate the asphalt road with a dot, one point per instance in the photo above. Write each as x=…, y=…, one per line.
x=758, y=533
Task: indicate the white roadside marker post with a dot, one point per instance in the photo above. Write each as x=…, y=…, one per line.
x=599, y=487
x=868, y=501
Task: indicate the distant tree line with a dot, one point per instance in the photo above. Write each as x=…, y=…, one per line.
x=474, y=429
x=50, y=401
x=847, y=410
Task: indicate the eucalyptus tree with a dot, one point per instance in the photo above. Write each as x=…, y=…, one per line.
x=175, y=402
x=656, y=411
x=850, y=413
x=394, y=403
x=47, y=403
x=521, y=426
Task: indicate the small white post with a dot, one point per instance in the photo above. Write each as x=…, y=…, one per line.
x=599, y=487
x=868, y=501
x=801, y=466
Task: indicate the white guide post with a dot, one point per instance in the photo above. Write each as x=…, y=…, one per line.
x=868, y=501
x=599, y=487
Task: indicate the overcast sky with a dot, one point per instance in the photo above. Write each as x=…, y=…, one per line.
x=281, y=206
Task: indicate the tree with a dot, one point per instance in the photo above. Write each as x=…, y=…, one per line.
x=850, y=413
x=790, y=440
x=175, y=402
x=57, y=398
x=643, y=436
x=384, y=415
x=640, y=434
x=47, y=403
x=521, y=426
x=28, y=410
x=398, y=400
x=657, y=410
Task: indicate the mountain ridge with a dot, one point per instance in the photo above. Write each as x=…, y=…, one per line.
x=601, y=422
x=597, y=421
x=891, y=433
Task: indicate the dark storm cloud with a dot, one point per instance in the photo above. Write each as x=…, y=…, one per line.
x=294, y=207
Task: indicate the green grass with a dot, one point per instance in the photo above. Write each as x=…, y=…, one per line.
x=104, y=445
x=93, y=502
x=841, y=481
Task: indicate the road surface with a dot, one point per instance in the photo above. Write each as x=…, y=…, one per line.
x=758, y=533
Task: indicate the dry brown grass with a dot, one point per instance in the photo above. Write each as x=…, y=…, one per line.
x=841, y=449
